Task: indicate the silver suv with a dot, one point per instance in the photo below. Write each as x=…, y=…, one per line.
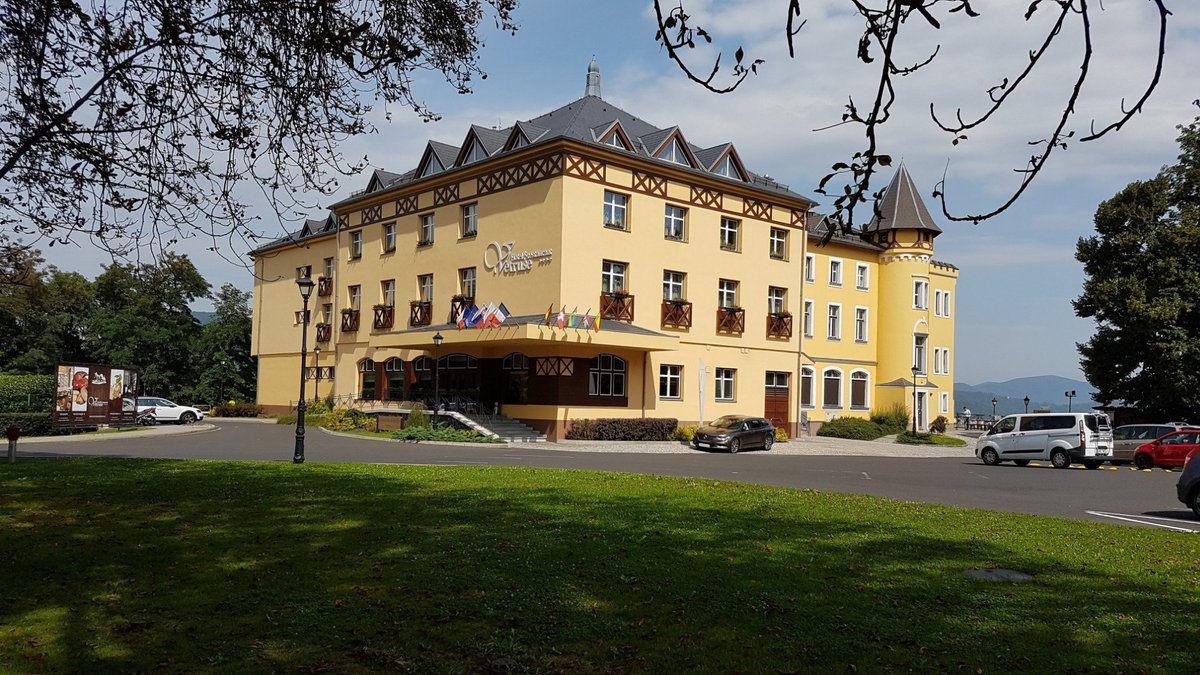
x=1126, y=439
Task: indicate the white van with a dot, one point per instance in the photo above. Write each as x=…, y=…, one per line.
x=1062, y=438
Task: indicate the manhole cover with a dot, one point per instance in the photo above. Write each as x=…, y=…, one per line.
x=998, y=574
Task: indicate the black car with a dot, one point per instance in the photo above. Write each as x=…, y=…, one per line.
x=734, y=432
x=1188, y=486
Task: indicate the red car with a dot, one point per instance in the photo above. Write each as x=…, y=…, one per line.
x=1170, y=451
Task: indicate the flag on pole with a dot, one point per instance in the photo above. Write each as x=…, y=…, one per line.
x=472, y=316
x=462, y=316
x=499, y=315
x=549, y=311
x=561, y=320
x=574, y=320
x=596, y=325
x=587, y=319
x=485, y=315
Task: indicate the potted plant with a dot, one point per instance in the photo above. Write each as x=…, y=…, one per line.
x=346, y=311
x=679, y=302
x=619, y=294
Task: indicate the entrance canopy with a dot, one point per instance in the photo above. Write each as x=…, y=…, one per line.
x=530, y=331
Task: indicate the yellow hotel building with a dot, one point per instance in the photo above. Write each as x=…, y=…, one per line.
x=714, y=288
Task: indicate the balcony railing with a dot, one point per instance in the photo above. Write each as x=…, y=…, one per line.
x=350, y=320
x=324, y=286
x=731, y=320
x=384, y=317
x=420, y=313
x=459, y=304
x=616, y=306
x=324, y=332
x=779, y=326
x=676, y=314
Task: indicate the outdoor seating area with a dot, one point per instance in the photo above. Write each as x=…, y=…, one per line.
x=974, y=422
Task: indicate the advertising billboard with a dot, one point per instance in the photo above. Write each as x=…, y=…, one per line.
x=90, y=395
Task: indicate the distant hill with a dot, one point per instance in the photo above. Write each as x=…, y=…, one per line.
x=1044, y=391
x=204, y=317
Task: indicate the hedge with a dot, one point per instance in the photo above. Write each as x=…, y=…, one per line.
x=855, y=428
x=443, y=434
x=27, y=393
x=621, y=429
x=31, y=423
x=240, y=410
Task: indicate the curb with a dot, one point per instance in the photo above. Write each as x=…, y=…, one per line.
x=149, y=432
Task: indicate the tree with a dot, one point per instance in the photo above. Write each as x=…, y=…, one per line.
x=58, y=309
x=1143, y=290
x=884, y=22
x=20, y=271
x=142, y=320
x=137, y=123
x=228, y=368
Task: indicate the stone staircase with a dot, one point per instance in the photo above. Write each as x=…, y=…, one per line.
x=506, y=428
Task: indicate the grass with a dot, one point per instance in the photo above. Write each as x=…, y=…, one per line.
x=119, y=430
x=117, y=565
x=923, y=438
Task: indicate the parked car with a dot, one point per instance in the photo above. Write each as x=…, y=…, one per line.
x=168, y=411
x=1062, y=438
x=1128, y=438
x=1188, y=486
x=1170, y=451
x=734, y=432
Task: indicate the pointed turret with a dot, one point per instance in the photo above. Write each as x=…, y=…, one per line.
x=902, y=208
x=593, y=79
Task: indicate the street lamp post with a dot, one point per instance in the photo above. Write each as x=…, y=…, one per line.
x=994, y=409
x=221, y=384
x=437, y=372
x=915, y=370
x=1026, y=404
x=306, y=288
x=1070, y=395
x=317, y=372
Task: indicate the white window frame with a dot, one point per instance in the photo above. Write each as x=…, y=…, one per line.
x=841, y=378
x=811, y=373
x=468, y=279
x=425, y=287
x=329, y=268
x=670, y=379
x=808, y=318
x=356, y=244
x=776, y=299
x=833, y=321
x=727, y=292
x=427, y=227
x=355, y=295
x=920, y=353
x=725, y=384
x=945, y=402
x=613, y=276
x=389, y=237
x=835, y=272
x=810, y=268
x=946, y=303
x=779, y=243
x=387, y=289
x=731, y=234
x=862, y=326
x=866, y=380
x=673, y=285
x=862, y=277
x=470, y=220
x=937, y=303
x=616, y=210
x=674, y=217
x=920, y=294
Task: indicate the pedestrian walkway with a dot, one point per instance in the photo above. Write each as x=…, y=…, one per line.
x=804, y=445
x=156, y=431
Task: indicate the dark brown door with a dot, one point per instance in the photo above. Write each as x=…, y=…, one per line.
x=775, y=407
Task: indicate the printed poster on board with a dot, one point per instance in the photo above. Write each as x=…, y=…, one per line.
x=93, y=395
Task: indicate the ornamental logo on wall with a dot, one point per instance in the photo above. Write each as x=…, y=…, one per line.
x=500, y=259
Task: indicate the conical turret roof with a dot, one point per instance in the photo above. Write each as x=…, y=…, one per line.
x=902, y=208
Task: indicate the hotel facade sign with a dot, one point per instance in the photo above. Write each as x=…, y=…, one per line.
x=499, y=258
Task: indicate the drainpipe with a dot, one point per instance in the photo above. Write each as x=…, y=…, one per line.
x=645, y=365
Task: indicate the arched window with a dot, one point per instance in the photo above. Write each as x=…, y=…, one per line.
x=606, y=377
x=457, y=362
x=366, y=379
x=807, y=377
x=831, y=390
x=393, y=369
x=422, y=369
x=516, y=361
x=858, y=390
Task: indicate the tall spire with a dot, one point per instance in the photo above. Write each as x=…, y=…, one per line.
x=902, y=208
x=593, y=79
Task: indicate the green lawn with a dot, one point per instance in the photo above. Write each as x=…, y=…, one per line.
x=113, y=565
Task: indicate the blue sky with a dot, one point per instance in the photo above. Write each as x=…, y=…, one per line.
x=1018, y=273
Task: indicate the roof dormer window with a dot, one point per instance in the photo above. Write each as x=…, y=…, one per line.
x=615, y=141
x=477, y=152
x=674, y=152
x=432, y=166
x=728, y=168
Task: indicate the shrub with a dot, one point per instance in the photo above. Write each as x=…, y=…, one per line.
x=854, y=428
x=417, y=418
x=309, y=420
x=621, y=429
x=683, y=433
x=428, y=433
x=319, y=406
x=31, y=423
x=232, y=409
x=938, y=425
x=893, y=419
x=27, y=393
x=922, y=438
x=780, y=435
x=345, y=419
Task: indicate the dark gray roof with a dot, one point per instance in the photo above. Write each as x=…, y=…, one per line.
x=531, y=132
x=709, y=156
x=311, y=229
x=901, y=207
x=819, y=226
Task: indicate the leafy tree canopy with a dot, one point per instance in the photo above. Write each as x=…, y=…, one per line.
x=136, y=123
x=1143, y=290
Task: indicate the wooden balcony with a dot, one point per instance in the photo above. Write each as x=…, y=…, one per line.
x=731, y=320
x=779, y=326
x=324, y=286
x=385, y=316
x=350, y=320
x=676, y=314
x=616, y=306
x=324, y=332
x=420, y=313
x=459, y=304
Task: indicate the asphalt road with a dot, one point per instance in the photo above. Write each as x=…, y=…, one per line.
x=1123, y=496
